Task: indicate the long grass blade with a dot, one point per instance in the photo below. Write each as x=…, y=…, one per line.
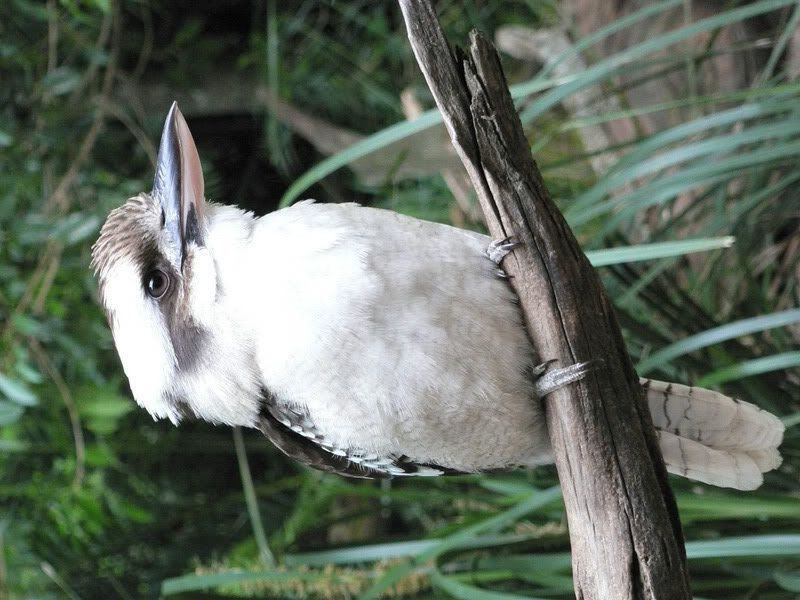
x=193, y=583
x=613, y=64
x=757, y=366
x=717, y=335
x=615, y=256
x=788, y=581
x=462, y=591
x=250, y=499
x=392, y=550
x=385, y=137
x=559, y=89
x=665, y=188
x=362, y=148
x=653, y=141
x=717, y=507
x=621, y=24
x=536, y=501
x=757, y=545
x=780, y=45
x=713, y=146
x=791, y=420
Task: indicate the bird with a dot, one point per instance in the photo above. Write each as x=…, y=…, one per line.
x=358, y=340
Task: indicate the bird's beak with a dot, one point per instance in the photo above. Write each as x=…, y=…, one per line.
x=179, y=187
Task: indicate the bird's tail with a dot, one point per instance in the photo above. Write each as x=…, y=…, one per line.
x=713, y=438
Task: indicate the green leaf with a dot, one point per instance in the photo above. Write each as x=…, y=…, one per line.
x=135, y=513
x=9, y=413
x=17, y=391
x=791, y=420
x=80, y=232
x=766, y=364
x=35, y=10
x=13, y=446
x=103, y=5
x=30, y=326
x=76, y=227
x=716, y=335
x=102, y=403
x=102, y=408
x=615, y=256
x=790, y=581
x=462, y=591
x=100, y=455
x=61, y=80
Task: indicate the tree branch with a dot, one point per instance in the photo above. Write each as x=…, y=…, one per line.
x=624, y=529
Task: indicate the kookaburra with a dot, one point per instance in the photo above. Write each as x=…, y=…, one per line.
x=358, y=340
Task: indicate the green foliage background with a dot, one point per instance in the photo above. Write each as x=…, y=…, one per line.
x=98, y=501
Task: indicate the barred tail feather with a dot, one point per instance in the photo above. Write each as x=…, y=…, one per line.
x=710, y=437
x=722, y=468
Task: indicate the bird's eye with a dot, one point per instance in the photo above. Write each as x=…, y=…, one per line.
x=157, y=283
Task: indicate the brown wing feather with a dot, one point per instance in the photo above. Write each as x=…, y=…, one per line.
x=294, y=434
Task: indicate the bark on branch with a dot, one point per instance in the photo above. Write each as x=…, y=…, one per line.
x=624, y=529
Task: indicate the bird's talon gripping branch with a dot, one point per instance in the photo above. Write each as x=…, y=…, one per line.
x=550, y=381
x=540, y=369
x=499, y=249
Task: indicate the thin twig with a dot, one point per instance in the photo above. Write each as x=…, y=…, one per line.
x=147, y=42
x=47, y=279
x=102, y=41
x=4, y=593
x=250, y=499
x=116, y=111
x=48, y=570
x=69, y=403
x=59, y=196
x=27, y=296
x=121, y=591
x=52, y=35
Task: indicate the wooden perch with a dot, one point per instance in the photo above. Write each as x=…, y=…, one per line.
x=624, y=529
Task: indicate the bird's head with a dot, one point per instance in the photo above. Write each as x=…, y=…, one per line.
x=157, y=280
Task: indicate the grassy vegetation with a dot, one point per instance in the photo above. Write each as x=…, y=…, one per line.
x=97, y=501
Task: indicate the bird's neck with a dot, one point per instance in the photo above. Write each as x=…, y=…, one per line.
x=224, y=387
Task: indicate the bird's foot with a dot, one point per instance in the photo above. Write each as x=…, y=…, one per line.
x=499, y=249
x=550, y=381
x=539, y=370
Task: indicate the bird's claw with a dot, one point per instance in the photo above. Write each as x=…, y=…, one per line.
x=497, y=250
x=539, y=370
x=550, y=381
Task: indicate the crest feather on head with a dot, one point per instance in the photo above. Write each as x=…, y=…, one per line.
x=126, y=234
